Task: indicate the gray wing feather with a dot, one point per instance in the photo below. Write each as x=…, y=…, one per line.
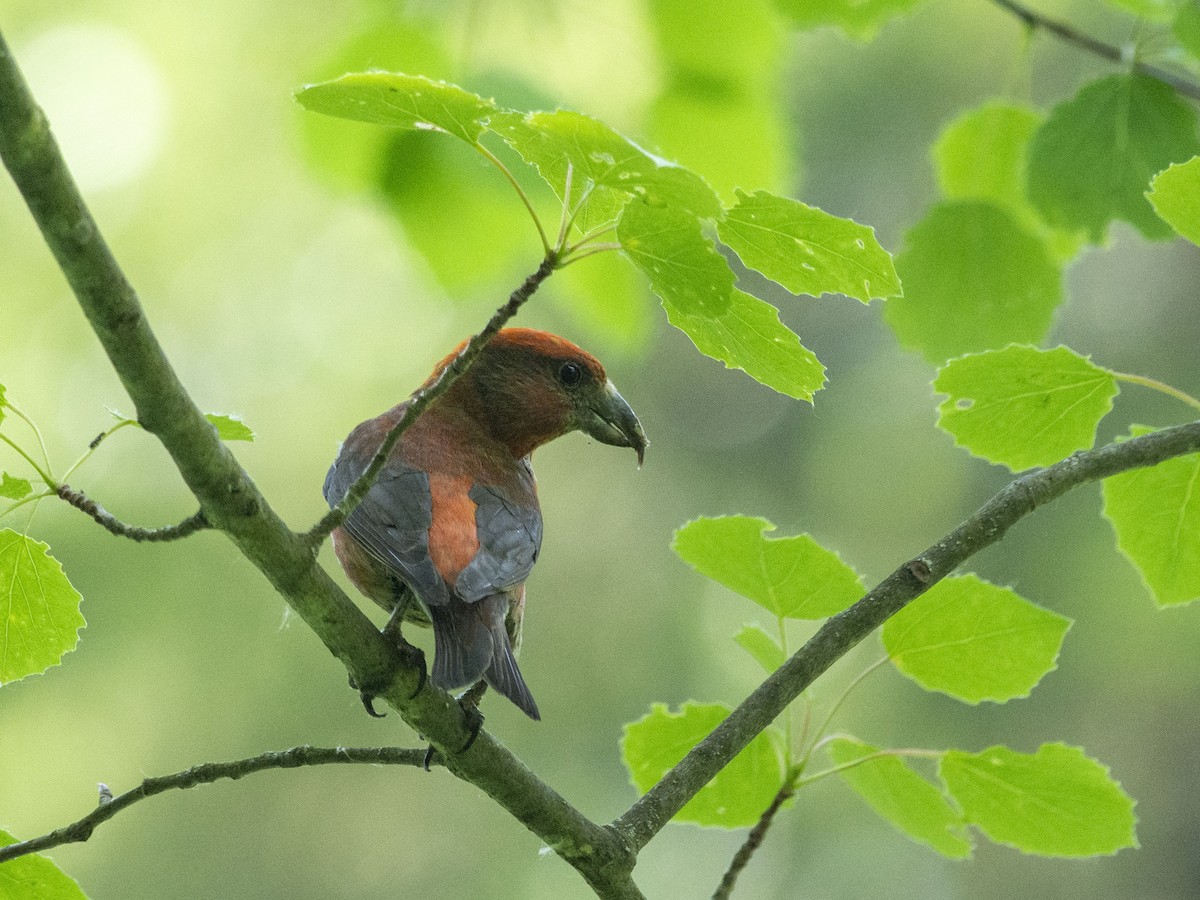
x=392, y=523
x=510, y=535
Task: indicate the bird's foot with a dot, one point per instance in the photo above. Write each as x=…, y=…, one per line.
x=411, y=657
x=469, y=702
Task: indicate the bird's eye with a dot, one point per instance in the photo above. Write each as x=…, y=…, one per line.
x=570, y=374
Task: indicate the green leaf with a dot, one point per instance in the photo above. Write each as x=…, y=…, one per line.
x=1187, y=27
x=741, y=791
x=3, y=403
x=1093, y=158
x=1023, y=407
x=695, y=284
x=349, y=158
x=1056, y=802
x=974, y=641
x=14, y=488
x=792, y=577
x=974, y=279
x=1175, y=196
x=230, y=428
x=34, y=877
x=764, y=648
x=860, y=19
x=903, y=798
x=599, y=157
x=39, y=610
x=409, y=102
x=807, y=250
x=1155, y=512
x=982, y=155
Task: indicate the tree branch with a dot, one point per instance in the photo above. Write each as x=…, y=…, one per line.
x=1065, y=32
x=79, y=500
x=843, y=631
x=232, y=503
x=426, y=395
x=755, y=838
x=207, y=773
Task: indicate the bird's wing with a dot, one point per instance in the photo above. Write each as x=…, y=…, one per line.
x=392, y=523
x=508, y=523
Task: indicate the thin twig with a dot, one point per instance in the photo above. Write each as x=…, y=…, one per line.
x=425, y=396
x=206, y=773
x=842, y=632
x=189, y=526
x=755, y=838
x=1036, y=21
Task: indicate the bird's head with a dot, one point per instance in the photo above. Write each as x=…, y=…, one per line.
x=530, y=387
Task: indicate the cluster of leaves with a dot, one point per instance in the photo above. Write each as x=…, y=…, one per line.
x=966, y=638
x=658, y=213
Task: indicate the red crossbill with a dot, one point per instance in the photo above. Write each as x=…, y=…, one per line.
x=450, y=531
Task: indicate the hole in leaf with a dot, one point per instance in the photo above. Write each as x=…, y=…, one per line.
x=964, y=403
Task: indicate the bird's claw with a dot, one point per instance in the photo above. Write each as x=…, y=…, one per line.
x=412, y=657
x=469, y=702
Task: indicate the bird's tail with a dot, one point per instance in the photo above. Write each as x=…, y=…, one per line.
x=470, y=643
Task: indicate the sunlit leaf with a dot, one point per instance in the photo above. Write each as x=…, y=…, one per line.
x=974, y=641
x=410, y=102
x=1055, y=802
x=807, y=250
x=860, y=19
x=741, y=791
x=606, y=163
x=39, y=609
x=903, y=798
x=1093, y=158
x=1175, y=196
x=350, y=157
x=1155, y=512
x=1023, y=407
x=695, y=284
x=764, y=648
x=34, y=877
x=974, y=279
x=793, y=577
x=230, y=428
x=13, y=488
x=2, y=403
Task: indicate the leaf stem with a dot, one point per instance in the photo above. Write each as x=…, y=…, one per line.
x=1156, y=385
x=878, y=754
x=537, y=223
x=37, y=433
x=96, y=441
x=833, y=710
x=41, y=473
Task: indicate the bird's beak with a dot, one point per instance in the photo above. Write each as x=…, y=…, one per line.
x=609, y=419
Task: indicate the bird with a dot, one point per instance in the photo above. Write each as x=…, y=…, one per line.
x=450, y=531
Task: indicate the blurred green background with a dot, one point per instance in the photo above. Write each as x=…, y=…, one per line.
x=285, y=290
